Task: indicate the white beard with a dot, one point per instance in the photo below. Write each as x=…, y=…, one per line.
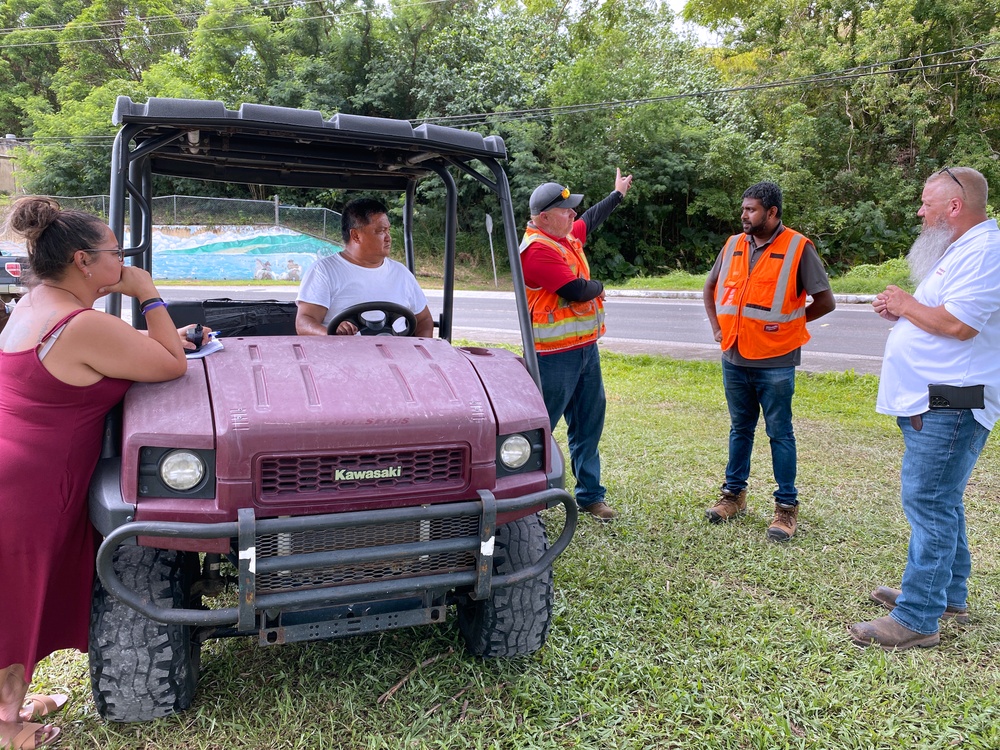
x=927, y=250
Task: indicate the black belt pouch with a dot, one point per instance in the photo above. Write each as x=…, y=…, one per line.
x=955, y=396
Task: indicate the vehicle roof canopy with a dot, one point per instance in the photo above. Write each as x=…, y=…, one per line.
x=280, y=146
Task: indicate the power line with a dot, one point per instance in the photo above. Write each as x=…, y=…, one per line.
x=141, y=19
x=473, y=120
x=187, y=32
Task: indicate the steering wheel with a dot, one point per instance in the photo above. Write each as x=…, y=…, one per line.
x=393, y=312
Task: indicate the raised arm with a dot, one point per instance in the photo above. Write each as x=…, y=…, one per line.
x=594, y=216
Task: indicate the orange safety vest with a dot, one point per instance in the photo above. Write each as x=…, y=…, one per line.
x=761, y=311
x=556, y=323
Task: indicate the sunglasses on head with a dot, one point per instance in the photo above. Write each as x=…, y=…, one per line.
x=951, y=174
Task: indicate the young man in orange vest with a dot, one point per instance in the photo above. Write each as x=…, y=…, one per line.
x=567, y=318
x=755, y=297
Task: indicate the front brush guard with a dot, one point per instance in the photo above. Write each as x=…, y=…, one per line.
x=482, y=580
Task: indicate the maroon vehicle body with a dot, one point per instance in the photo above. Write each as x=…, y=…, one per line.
x=10, y=284
x=285, y=415
x=334, y=486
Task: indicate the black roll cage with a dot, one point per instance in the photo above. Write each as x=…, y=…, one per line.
x=285, y=147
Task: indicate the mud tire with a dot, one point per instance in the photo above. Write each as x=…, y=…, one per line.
x=140, y=669
x=515, y=620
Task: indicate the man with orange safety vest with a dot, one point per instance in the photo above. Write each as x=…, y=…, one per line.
x=567, y=318
x=755, y=297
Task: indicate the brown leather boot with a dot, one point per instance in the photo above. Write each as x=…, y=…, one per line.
x=729, y=505
x=601, y=511
x=890, y=635
x=887, y=596
x=785, y=522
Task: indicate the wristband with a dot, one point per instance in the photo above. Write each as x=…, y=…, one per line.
x=153, y=305
x=142, y=305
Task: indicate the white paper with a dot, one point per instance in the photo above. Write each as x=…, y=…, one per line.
x=213, y=345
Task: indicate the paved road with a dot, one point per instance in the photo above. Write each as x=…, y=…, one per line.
x=852, y=337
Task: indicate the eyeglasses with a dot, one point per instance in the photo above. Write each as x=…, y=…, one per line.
x=951, y=174
x=120, y=251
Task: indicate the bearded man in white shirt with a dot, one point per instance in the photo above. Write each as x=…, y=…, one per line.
x=941, y=380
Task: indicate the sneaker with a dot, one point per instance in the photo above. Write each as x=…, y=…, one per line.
x=728, y=506
x=785, y=522
x=887, y=598
x=601, y=511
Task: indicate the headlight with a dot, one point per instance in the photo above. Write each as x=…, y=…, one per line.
x=182, y=470
x=515, y=451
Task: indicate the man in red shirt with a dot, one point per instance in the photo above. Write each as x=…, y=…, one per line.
x=567, y=318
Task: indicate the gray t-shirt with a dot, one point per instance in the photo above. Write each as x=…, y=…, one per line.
x=811, y=277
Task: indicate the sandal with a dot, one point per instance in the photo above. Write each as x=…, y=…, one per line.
x=38, y=705
x=25, y=739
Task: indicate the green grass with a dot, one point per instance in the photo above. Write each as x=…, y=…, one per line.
x=667, y=633
x=872, y=279
x=866, y=279
x=675, y=281
x=226, y=282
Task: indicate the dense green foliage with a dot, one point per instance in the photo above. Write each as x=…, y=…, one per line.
x=874, y=96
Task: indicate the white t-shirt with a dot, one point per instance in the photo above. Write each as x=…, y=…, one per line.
x=336, y=284
x=967, y=282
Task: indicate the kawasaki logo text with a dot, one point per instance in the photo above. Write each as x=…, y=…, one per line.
x=342, y=474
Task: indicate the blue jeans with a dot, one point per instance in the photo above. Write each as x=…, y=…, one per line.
x=750, y=390
x=937, y=462
x=572, y=387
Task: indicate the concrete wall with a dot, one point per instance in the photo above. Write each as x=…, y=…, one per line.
x=7, y=184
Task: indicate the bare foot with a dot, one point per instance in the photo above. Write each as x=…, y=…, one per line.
x=12, y=690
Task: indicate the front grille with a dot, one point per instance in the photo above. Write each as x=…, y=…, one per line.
x=388, y=474
x=304, y=542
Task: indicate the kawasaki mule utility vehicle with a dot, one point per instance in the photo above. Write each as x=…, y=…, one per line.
x=10, y=284
x=355, y=483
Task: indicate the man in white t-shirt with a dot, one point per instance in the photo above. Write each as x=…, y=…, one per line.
x=947, y=333
x=362, y=272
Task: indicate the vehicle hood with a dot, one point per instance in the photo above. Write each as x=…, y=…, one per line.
x=285, y=395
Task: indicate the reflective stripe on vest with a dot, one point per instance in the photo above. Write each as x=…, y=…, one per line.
x=765, y=327
x=556, y=323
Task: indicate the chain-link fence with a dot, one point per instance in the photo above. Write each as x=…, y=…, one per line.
x=188, y=210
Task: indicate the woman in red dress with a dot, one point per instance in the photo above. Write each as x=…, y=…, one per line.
x=63, y=366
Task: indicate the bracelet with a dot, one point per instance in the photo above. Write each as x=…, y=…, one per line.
x=142, y=305
x=153, y=305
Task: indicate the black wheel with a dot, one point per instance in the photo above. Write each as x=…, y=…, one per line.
x=515, y=620
x=140, y=669
x=393, y=312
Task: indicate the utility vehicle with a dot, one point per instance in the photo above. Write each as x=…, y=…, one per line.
x=354, y=483
x=10, y=284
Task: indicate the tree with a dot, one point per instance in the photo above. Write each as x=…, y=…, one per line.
x=119, y=40
x=29, y=56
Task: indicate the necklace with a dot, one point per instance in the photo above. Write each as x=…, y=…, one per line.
x=61, y=289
